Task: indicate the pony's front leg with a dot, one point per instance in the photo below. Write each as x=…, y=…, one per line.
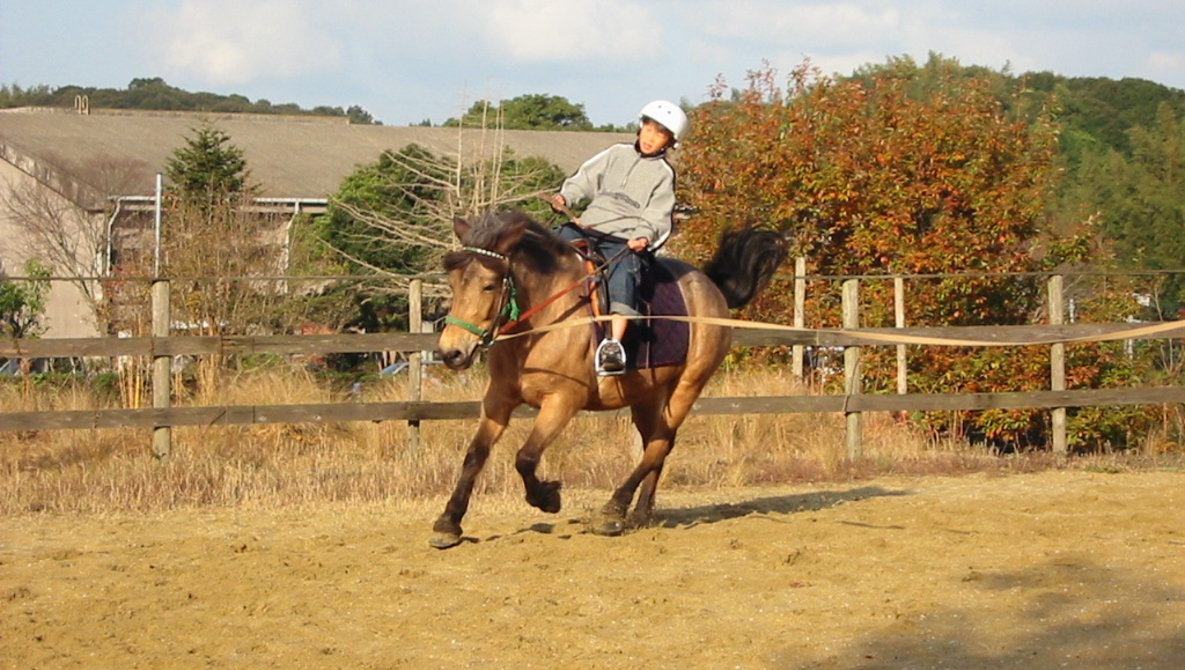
x=554, y=413
x=447, y=529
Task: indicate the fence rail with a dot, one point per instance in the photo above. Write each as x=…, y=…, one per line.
x=410, y=342
x=429, y=411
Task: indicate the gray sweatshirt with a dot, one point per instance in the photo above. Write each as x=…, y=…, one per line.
x=632, y=195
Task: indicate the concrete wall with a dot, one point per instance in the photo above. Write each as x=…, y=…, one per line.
x=67, y=312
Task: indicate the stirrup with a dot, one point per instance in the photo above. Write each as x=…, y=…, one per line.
x=609, y=358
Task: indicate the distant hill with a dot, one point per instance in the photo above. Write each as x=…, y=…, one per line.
x=155, y=94
x=1106, y=109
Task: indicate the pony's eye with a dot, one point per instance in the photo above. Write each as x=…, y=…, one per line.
x=489, y=288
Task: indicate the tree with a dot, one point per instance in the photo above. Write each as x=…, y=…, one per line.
x=359, y=116
x=208, y=171
x=1107, y=109
x=155, y=93
x=393, y=218
x=57, y=231
x=382, y=219
x=22, y=302
x=526, y=112
x=218, y=251
x=887, y=174
x=395, y=215
x=866, y=179
x=1139, y=201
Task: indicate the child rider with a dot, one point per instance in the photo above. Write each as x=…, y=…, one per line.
x=631, y=188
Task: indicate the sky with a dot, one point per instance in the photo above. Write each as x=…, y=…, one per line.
x=410, y=61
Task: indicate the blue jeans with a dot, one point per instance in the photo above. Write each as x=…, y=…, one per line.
x=624, y=272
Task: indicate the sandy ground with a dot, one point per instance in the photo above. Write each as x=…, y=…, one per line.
x=1052, y=570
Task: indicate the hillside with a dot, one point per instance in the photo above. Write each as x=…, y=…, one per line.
x=1101, y=108
x=154, y=94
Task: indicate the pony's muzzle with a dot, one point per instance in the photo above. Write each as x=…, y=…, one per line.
x=455, y=359
x=456, y=348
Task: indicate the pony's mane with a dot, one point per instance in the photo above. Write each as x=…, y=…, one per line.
x=538, y=248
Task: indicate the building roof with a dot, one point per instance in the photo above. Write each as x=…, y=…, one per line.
x=288, y=156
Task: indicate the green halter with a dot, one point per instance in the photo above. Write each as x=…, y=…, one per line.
x=509, y=311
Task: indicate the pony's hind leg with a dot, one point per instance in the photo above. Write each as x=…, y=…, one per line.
x=653, y=424
x=644, y=507
x=554, y=414
x=657, y=421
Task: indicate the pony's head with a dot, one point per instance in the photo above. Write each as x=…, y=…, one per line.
x=482, y=280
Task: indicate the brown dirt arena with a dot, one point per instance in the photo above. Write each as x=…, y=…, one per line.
x=1060, y=569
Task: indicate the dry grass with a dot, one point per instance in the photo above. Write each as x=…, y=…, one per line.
x=281, y=465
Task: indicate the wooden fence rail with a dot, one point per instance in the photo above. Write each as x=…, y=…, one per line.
x=428, y=411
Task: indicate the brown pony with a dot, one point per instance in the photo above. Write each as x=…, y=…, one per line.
x=508, y=263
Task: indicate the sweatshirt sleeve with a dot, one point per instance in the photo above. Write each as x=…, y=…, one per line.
x=584, y=184
x=658, y=212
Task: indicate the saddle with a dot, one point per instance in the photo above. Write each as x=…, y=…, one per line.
x=649, y=342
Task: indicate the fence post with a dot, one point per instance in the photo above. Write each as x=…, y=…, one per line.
x=415, y=365
x=853, y=384
x=899, y=322
x=1057, y=363
x=162, y=379
x=797, y=351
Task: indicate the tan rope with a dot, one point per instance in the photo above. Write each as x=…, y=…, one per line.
x=872, y=338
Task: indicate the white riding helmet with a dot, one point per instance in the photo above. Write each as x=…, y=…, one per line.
x=668, y=115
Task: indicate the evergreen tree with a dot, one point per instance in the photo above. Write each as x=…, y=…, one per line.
x=210, y=238
x=208, y=170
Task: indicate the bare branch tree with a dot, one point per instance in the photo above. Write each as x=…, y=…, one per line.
x=67, y=226
x=422, y=193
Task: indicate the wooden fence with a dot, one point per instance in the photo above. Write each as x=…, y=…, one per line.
x=161, y=347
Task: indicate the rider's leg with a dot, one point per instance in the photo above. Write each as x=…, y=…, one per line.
x=617, y=325
x=623, y=281
x=624, y=276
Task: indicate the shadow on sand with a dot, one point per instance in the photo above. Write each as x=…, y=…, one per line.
x=788, y=504
x=693, y=516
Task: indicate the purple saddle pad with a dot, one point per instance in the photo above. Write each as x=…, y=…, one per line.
x=656, y=342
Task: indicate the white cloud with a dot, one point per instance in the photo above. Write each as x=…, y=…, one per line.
x=833, y=24
x=226, y=42
x=545, y=30
x=411, y=59
x=1166, y=65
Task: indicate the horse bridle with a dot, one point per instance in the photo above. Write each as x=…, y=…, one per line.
x=508, y=311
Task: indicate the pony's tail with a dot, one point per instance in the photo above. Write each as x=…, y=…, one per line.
x=745, y=262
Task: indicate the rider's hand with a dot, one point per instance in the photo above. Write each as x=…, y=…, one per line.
x=638, y=244
x=557, y=202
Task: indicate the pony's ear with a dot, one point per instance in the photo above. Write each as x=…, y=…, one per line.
x=460, y=227
x=509, y=238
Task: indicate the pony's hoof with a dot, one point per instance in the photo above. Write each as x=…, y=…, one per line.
x=444, y=540
x=640, y=520
x=546, y=496
x=608, y=526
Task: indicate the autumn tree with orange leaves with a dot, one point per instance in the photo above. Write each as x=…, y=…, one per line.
x=893, y=173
